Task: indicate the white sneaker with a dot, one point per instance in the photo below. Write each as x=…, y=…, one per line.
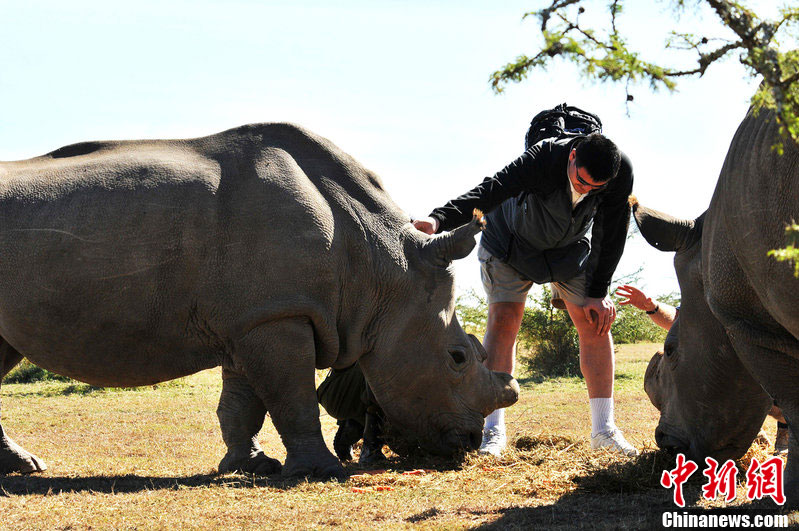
x=613, y=440
x=494, y=441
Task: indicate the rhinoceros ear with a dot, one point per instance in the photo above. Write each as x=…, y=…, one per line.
x=665, y=232
x=441, y=250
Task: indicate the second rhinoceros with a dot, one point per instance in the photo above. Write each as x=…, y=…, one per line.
x=735, y=345
x=264, y=250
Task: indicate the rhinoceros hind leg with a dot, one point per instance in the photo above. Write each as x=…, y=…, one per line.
x=13, y=458
x=241, y=416
x=280, y=358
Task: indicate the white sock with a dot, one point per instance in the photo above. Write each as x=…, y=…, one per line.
x=601, y=415
x=496, y=418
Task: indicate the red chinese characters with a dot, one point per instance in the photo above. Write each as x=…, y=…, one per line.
x=719, y=481
x=765, y=479
x=762, y=479
x=677, y=477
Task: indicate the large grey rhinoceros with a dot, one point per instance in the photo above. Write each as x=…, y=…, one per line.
x=735, y=344
x=264, y=250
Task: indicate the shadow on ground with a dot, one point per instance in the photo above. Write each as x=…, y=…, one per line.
x=21, y=485
x=622, y=496
x=621, y=511
x=16, y=485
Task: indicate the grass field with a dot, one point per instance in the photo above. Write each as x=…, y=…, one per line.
x=146, y=458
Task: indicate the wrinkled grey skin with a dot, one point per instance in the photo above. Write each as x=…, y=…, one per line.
x=735, y=344
x=263, y=249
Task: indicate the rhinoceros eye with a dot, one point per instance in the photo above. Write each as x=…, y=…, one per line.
x=669, y=350
x=458, y=356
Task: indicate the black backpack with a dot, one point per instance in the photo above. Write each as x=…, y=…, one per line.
x=562, y=121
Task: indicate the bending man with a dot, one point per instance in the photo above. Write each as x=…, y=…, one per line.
x=540, y=211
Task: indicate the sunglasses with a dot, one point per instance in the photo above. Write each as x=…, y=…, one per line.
x=589, y=185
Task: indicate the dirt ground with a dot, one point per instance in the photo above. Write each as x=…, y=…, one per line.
x=146, y=458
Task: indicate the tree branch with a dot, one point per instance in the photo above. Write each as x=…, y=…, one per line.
x=606, y=56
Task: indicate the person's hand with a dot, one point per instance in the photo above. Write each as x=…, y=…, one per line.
x=426, y=225
x=601, y=313
x=636, y=297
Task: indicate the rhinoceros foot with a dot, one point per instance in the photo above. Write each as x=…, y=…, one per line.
x=255, y=462
x=13, y=458
x=319, y=466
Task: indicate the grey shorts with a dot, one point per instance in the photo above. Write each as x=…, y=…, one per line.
x=502, y=283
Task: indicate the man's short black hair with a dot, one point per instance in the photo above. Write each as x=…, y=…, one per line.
x=599, y=156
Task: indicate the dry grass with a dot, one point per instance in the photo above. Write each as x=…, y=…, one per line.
x=146, y=459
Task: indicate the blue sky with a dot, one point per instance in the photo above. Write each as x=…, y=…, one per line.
x=400, y=85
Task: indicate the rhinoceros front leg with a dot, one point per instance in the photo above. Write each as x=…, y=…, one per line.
x=14, y=458
x=241, y=416
x=776, y=371
x=278, y=358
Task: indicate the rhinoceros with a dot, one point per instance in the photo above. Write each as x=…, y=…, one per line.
x=263, y=249
x=735, y=345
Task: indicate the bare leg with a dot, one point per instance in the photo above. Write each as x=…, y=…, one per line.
x=13, y=458
x=502, y=327
x=279, y=360
x=597, y=362
x=241, y=416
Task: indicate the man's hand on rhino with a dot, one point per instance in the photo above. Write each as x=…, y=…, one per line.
x=600, y=312
x=636, y=297
x=427, y=225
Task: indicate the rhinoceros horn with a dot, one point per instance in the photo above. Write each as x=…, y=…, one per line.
x=441, y=250
x=665, y=232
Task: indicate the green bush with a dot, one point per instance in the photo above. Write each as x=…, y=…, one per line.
x=548, y=345
x=634, y=326
x=27, y=372
x=472, y=311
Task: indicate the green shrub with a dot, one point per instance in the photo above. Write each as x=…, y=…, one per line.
x=27, y=372
x=547, y=345
x=472, y=311
x=634, y=326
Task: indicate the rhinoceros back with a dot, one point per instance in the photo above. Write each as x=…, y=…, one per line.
x=126, y=263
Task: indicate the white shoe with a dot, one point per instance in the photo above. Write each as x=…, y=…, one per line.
x=613, y=440
x=494, y=441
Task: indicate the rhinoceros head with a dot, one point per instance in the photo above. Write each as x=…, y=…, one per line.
x=708, y=404
x=425, y=372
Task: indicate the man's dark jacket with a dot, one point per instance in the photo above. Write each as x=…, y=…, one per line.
x=532, y=225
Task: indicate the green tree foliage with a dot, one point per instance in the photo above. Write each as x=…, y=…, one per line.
x=765, y=48
x=791, y=252
x=547, y=343
x=603, y=53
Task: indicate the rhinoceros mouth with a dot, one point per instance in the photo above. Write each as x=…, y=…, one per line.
x=667, y=440
x=457, y=433
x=463, y=440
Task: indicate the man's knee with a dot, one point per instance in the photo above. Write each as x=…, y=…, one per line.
x=586, y=330
x=505, y=317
